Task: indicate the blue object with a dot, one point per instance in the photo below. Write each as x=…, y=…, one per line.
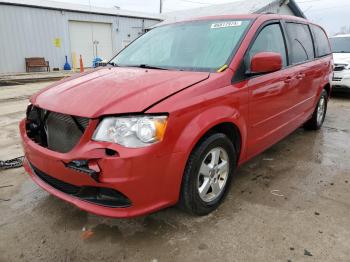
x=67, y=65
x=96, y=61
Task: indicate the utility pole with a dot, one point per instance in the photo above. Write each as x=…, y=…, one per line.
x=160, y=6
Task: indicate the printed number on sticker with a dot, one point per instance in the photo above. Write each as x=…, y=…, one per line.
x=226, y=24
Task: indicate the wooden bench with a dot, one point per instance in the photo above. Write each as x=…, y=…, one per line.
x=37, y=62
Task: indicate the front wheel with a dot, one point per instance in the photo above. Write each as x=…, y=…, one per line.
x=208, y=174
x=319, y=115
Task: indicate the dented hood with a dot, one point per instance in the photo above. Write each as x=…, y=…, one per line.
x=114, y=91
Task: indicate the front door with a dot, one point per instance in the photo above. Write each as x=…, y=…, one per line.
x=269, y=94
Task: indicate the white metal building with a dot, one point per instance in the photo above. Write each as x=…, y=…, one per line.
x=49, y=29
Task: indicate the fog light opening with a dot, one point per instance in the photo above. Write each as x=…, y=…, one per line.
x=87, y=167
x=111, y=152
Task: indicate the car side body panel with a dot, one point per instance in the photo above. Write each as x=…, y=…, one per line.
x=264, y=109
x=202, y=107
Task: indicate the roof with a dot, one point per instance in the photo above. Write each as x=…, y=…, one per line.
x=266, y=16
x=237, y=7
x=54, y=5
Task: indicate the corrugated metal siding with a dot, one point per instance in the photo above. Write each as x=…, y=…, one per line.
x=30, y=32
x=285, y=10
x=27, y=32
x=276, y=8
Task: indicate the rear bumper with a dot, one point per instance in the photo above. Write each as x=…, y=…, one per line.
x=340, y=88
x=148, y=178
x=341, y=81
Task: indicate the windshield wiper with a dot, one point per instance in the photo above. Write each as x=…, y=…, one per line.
x=148, y=67
x=112, y=64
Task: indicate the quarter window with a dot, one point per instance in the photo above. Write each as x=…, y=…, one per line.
x=270, y=39
x=321, y=41
x=301, y=44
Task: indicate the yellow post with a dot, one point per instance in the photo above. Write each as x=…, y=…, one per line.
x=74, y=61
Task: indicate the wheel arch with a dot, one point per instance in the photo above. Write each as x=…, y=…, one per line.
x=328, y=88
x=230, y=130
x=221, y=119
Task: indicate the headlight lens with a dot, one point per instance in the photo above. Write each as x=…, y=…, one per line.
x=134, y=131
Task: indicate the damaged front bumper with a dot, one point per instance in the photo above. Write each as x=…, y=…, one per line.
x=106, y=179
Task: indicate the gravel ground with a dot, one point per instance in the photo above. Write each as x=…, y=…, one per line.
x=291, y=203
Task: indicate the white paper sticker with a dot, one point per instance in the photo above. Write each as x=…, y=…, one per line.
x=226, y=24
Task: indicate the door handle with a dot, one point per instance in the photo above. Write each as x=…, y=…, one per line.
x=288, y=79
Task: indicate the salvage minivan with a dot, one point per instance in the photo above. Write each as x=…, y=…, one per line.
x=172, y=116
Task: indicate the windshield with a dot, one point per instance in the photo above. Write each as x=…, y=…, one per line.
x=193, y=46
x=340, y=44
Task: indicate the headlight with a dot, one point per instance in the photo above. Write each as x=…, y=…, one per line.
x=133, y=131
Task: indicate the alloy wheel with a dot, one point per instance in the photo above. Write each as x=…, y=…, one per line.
x=213, y=174
x=321, y=109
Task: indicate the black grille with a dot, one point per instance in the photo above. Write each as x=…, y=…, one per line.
x=58, y=184
x=58, y=132
x=63, y=132
x=98, y=195
x=337, y=78
x=339, y=67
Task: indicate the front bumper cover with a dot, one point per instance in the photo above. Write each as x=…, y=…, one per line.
x=341, y=80
x=148, y=178
x=103, y=196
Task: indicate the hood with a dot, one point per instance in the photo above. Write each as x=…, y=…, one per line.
x=114, y=91
x=341, y=58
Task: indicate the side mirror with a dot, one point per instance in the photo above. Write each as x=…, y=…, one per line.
x=265, y=62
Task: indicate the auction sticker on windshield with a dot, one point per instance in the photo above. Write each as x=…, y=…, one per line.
x=226, y=24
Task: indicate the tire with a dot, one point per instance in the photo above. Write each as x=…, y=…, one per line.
x=316, y=121
x=210, y=155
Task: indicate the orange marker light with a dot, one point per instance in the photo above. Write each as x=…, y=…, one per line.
x=160, y=128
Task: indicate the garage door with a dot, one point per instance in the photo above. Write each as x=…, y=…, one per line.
x=90, y=40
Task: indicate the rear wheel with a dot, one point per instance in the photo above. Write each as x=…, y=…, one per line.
x=208, y=174
x=317, y=119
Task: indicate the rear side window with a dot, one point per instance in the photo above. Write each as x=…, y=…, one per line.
x=321, y=42
x=301, y=44
x=270, y=39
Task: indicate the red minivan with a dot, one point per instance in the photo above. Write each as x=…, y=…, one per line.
x=172, y=116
